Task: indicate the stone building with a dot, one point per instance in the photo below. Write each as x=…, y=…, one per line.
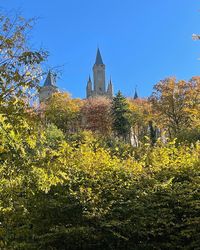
x=48, y=88
x=99, y=77
x=99, y=87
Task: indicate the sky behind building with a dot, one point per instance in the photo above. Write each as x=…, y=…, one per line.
x=141, y=41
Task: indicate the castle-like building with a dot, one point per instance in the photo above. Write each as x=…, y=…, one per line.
x=48, y=88
x=99, y=77
x=92, y=90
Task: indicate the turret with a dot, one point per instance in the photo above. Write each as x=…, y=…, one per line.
x=50, y=80
x=98, y=87
x=135, y=94
x=48, y=88
x=89, y=88
x=110, y=89
x=99, y=75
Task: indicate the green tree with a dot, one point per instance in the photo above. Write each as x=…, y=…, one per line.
x=121, y=116
x=20, y=134
x=54, y=136
x=20, y=66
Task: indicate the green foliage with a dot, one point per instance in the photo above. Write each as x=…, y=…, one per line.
x=140, y=117
x=121, y=113
x=85, y=198
x=176, y=105
x=77, y=191
x=20, y=67
x=116, y=147
x=54, y=136
x=63, y=111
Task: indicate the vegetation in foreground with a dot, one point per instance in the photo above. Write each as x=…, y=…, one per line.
x=69, y=177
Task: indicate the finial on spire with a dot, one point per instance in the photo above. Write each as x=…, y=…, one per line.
x=89, y=79
x=99, y=60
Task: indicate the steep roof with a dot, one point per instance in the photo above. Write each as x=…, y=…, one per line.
x=136, y=94
x=98, y=58
x=50, y=80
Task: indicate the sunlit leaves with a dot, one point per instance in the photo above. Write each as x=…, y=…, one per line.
x=16, y=59
x=63, y=111
x=176, y=105
x=96, y=115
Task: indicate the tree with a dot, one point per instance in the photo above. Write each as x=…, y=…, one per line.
x=63, y=111
x=20, y=70
x=96, y=115
x=175, y=104
x=121, y=116
x=194, y=104
x=60, y=195
x=20, y=134
x=20, y=67
x=140, y=118
x=54, y=136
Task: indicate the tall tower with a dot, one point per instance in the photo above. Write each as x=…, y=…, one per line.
x=99, y=75
x=89, y=87
x=135, y=94
x=99, y=80
x=110, y=89
x=48, y=88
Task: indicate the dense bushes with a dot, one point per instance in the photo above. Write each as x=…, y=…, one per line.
x=65, y=188
x=81, y=197
x=106, y=203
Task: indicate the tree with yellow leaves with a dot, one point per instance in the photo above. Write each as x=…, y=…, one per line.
x=176, y=105
x=63, y=111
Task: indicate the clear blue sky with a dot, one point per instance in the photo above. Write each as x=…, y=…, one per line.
x=141, y=41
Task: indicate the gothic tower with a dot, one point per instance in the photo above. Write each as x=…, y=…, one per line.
x=99, y=80
x=48, y=88
x=99, y=75
x=135, y=94
x=110, y=89
x=89, y=87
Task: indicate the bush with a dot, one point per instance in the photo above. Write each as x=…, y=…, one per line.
x=88, y=199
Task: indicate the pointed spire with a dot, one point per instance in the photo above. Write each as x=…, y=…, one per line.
x=89, y=83
x=110, y=81
x=89, y=88
x=110, y=89
x=50, y=80
x=136, y=94
x=99, y=60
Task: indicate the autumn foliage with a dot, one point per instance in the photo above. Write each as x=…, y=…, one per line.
x=71, y=177
x=96, y=115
